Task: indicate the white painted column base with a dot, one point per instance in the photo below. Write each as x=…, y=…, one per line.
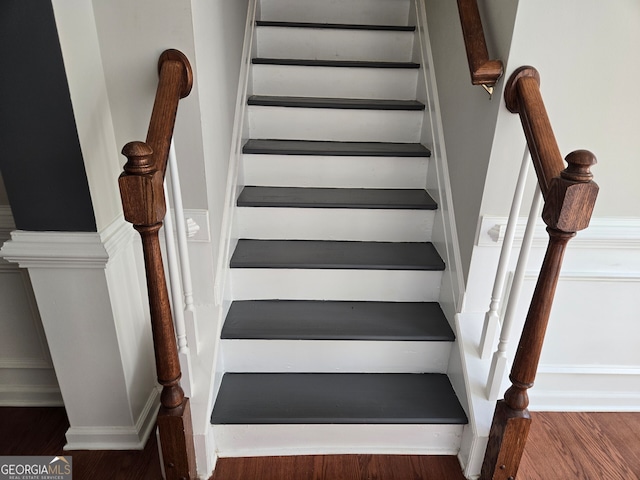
x=91, y=296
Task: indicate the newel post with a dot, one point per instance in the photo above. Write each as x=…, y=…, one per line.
x=570, y=199
x=141, y=189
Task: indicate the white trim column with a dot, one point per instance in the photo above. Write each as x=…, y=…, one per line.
x=92, y=300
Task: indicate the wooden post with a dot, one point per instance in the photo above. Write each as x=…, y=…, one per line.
x=142, y=192
x=569, y=202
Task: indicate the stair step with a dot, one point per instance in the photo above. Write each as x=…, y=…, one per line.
x=337, y=26
x=370, y=198
x=334, y=42
x=355, y=224
x=333, y=124
x=343, y=398
x=335, y=82
x=353, y=11
x=336, y=103
x=335, y=171
x=322, y=254
x=330, y=320
x=315, y=147
x=334, y=63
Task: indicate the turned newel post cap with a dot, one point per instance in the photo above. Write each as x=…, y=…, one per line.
x=571, y=196
x=579, y=168
x=139, y=158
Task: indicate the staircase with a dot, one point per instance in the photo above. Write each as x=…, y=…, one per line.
x=335, y=342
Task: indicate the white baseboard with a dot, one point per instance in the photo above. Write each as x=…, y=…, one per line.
x=117, y=438
x=30, y=396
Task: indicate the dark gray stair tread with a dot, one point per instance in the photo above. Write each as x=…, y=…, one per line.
x=336, y=320
x=325, y=254
x=314, y=147
x=330, y=398
x=332, y=63
x=369, y=198
x=336, y=26
x=335, y=103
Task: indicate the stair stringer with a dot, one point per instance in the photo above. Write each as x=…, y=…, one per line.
x=445, y=238
x=206, y=450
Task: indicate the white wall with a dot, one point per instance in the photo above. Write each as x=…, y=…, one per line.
x=588, y=67
x=132, y=35
x=468, y=116
x=584, y=53
x=219, y=28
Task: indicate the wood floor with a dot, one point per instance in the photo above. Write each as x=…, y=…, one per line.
x=561, y=446
x=40, y=431
x=340, y=467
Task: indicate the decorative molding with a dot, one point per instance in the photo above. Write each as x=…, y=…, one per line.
x=55, y=250
x=583, y=401
x=586, y=276
x=67, y=249
x=117, y=438
x=25, y=363
x=117, y=236
x=568, y=369
x=30, y=396
x=197, y=221
x=603, y=232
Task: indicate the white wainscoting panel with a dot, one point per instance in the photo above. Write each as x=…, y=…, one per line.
x=590, y=360
x=27, y=377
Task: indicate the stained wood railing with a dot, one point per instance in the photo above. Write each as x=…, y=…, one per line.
x=484, y=72
x=569, y=198
x=143, y=201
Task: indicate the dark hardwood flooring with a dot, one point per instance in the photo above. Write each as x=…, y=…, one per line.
x=40, y=431
x=561, y=446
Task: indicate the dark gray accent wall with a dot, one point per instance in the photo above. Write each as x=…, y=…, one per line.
x=40, y=156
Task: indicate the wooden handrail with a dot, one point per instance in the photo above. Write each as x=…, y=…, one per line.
x=142, y=192
x=569, y=195
x=483, y=71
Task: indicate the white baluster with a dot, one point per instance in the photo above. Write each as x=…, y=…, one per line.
x=183, y=251
x=499, y=362
x=176, y=297
x=492, y=317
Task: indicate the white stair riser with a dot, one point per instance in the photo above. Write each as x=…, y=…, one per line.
x=320, y=284
x=375, y=12
x=273, y=440
x=321, y=171
x=335, y=224
x=334, y=124
x=337, y=356
x=336, y=82
x=334, y=44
